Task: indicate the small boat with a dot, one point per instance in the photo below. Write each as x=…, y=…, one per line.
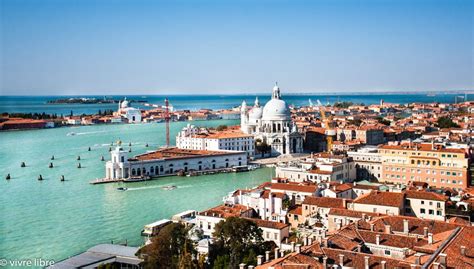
x=168, y=188
x=122, y=188
x=71, y=133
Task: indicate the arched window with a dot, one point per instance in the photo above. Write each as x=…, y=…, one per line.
x=133, y=171
x=152, y=170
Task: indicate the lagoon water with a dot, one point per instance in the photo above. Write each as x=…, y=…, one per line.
x=50, y=219
x=26, y=104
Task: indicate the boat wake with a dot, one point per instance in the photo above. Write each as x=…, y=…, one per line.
x=148, y=187
x=87, y=133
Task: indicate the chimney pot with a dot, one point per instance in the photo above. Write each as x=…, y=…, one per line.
x=298, y=248
x=377, y=239
x=325, y=262
x=388, y=229
x=372, y=227
x=430, y=238
x=242, y=266
x=463, y=250
x=442, y=259
x=425, y=231
x=366, y=262
x=405, y=226
x=267, y=255
x=276, y=252
x=383, y=265
x=259, y=259
x=251, y=267
x=341, y=260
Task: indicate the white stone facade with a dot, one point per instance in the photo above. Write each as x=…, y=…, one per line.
x=272, y=124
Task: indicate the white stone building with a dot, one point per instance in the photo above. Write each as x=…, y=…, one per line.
x=192, y=137
x=170, y=161
x=272, y=124
x=319, y=168
x=368, y=163
x=131, y=114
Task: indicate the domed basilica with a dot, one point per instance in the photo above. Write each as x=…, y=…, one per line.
x=272, y=124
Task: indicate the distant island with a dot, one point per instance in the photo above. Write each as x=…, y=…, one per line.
x=85, y=100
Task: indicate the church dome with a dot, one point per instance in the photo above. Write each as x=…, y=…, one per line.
x=124, y=104
x=276, y=109
x=256, y=113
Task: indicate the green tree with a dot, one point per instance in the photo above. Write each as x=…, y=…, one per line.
x=221, y=127
x=236, y=240
x=262, y=146
x=445, y=122
x=171, y=248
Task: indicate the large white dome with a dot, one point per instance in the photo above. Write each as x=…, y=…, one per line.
x=276, y=109
x=256, y=113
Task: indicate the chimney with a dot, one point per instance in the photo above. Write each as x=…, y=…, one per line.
x=363, y=216
x=251, y=267
x=442, y=259
x=413, y=266
x=425, y=232
x=298, y=248
x=418, y=258
x=325, y=262
x=388, y=229
x=463, y=250
x=383, y=265
x=341, y=260
x=372, y=227
x=344, y=203
x=430, y=238
x=323, y=234
x=359, y=248
x=366, y=262
x=282, y=253
x=377, y=239
x=267, y=255
x=405, y=226
x=259, y=260
x=305, y=240
x=276, y=252
x=292, y=246
x=338, y=225
x=436, y=265
x=242, y=266
x=310, y=241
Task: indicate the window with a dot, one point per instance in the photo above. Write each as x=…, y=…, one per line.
x=387, y=252
x=422, y=211
x=431, y=212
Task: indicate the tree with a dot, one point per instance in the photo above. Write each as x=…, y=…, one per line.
x=262, y=146
x=171, y=248
x=236, y=240
x=383, y=121
x=445, y=122
x=221, y=127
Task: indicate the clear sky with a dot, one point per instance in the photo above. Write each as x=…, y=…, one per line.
x=194, y=46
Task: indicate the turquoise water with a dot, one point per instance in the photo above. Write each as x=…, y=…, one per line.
x=50, y=219
x=193, y=102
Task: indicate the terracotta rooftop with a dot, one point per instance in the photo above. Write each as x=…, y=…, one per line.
x=326, y=202
x=176, y=153
x=392, y=199
x=269, y=224
x=294, y=187
x=425, y=195
x=223, y=211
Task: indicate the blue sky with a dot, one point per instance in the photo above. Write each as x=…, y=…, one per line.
x=160, y=47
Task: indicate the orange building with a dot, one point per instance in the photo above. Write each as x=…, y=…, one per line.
x=435, y=165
